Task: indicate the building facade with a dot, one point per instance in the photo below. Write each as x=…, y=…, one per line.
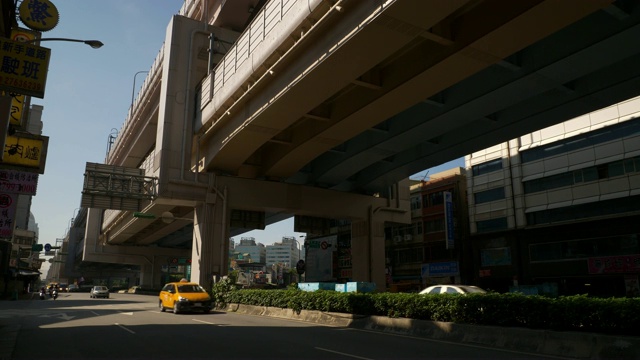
x=248, y=245
x=557, y=211
x=433, y=249
x=285, y=252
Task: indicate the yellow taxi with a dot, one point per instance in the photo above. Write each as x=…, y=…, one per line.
x=184, y=296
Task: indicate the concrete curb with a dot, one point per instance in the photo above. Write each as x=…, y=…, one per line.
x=547, y=342
x=8, y=340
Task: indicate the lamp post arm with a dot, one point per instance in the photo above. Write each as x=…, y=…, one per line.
x=134, y=87
x=93, y=43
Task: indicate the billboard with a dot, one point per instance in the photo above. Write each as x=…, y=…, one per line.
x=24, y=69
x=319, y=255
x=18, y=182
x=27, y=151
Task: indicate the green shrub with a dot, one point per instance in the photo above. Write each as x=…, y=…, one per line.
x=569, y=313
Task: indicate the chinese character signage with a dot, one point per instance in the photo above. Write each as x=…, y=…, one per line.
x=23, y=67
x=447, y=268
x=614, y=264
x=27, y=151
x=8, y=205
x=17, y=107
x=40, y=15
x=18, y=182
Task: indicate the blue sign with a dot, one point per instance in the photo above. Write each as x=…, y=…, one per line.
x=447, y=268
x=448, y=219
x=47, y=247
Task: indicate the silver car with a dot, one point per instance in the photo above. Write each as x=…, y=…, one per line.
x=99, y=291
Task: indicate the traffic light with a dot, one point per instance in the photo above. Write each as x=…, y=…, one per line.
x=36, y=247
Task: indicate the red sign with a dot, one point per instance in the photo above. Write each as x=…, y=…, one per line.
x=614, y=264
x=8, y=204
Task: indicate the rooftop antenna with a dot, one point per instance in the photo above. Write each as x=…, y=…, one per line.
x=425, y=175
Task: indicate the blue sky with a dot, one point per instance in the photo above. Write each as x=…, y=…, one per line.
x=88, y=95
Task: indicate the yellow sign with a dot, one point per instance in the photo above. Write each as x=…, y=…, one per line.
x=24, y=68
x=17, y=105
x=18, y=101
x=39, y=15
x=26, y=150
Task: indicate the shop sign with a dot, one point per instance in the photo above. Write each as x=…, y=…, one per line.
x=614, y=264
x=8, y=205
x=40, y=15
x=24, y=68
x=18, y=182
x=447, y=268
x=27, y=151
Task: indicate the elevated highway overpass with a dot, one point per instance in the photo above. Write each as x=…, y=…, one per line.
x=322, y=108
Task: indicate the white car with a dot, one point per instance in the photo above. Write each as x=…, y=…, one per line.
x=453, y=289
x=99, y=291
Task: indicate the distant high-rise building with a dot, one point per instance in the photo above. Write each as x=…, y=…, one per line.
x=257, y=251
x=286, y=252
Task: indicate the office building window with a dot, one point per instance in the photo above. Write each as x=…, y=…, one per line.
x=592, y=173
x=609, y=133
x=584, y=211
x=487, y=167
x=491, y=225
x=415, y=203
x=432, y=226
x=489, y=195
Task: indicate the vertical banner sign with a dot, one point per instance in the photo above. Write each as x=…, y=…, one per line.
x=8, y=204
x=448, y=220
x=18, y=103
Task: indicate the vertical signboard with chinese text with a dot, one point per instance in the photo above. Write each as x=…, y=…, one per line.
x=8, y=205
x=448, y=220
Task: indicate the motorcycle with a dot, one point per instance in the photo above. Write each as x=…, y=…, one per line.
x=55, y=294
x=42, y=295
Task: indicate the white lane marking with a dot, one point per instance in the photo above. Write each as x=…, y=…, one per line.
x=95, y=313
x=124, y=328
x=458, y=344
x=204, y=322
x=62, y=316
x=345, y=354
x=126, y=313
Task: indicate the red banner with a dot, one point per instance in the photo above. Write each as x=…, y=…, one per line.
x=614, y=264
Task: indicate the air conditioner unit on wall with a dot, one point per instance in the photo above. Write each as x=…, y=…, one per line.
x=397, y=238
x=407, y=237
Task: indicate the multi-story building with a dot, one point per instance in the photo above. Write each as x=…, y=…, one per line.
x=433, y=249
x=285, y=252
x=256, y=251
x=558, y=210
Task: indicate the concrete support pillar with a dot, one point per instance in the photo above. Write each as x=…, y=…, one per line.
x=367, y=251
x=210, y=251
x=147, y=276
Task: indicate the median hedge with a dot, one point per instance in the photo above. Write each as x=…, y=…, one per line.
x=619, y=316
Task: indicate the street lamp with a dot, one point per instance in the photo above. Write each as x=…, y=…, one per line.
x=134, y=86
x=93, y=43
